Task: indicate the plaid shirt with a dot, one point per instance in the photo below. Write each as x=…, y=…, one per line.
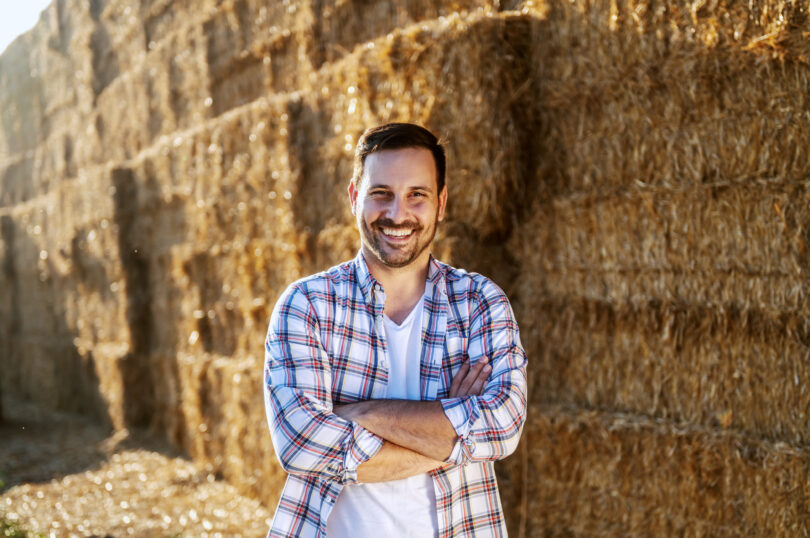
x=326, y=346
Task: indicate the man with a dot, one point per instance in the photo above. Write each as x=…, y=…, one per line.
x=393, y=381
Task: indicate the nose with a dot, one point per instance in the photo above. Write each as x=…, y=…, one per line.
x=397, y=211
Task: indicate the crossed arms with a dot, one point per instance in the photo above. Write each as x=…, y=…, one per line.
x=480, y=419
x=418, y=436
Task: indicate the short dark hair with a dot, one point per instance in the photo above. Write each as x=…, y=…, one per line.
x=398, y=136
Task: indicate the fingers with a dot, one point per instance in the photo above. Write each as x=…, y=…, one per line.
x=478, y=371
x=477, y=387
x=458, y=378
x=470, y=381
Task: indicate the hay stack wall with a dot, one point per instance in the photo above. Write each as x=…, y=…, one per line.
x=634, y=174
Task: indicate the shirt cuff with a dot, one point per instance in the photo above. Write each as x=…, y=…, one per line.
x=462, y=414
x=362, y=446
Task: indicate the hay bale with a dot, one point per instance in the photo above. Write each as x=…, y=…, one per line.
x=221, y=429
x=610, y=474
x=62, y=300
x=703, y=365
x=666, y=243
x=339, y=27
x=664, y=260
x=634, y=92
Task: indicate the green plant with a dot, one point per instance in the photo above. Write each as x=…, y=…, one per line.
x=10, y=529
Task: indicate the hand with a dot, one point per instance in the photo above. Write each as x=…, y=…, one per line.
x=470, y=381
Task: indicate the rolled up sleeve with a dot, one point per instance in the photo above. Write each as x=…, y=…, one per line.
x=308, y=438
x=489, y=426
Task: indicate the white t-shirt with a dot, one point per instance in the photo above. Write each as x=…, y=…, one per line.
x=405, y=507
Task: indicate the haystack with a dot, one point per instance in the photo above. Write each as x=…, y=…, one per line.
x=632, y=173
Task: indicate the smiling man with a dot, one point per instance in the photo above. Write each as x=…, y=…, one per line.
x=393, y=381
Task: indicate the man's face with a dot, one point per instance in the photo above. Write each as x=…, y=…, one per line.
x=397, y=206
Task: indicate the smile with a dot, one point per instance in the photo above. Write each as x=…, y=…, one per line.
x=396, y=233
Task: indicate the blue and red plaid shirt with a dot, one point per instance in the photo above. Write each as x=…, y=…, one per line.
x=326, y=346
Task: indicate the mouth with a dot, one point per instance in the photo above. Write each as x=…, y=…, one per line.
x=397, y=234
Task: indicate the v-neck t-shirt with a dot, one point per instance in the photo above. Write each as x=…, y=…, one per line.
x=405, y=507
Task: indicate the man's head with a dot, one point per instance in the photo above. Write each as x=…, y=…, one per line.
x=398, y=136
x=397, y=194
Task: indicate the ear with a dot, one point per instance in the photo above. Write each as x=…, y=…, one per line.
x=442, y=204
x=353, y=197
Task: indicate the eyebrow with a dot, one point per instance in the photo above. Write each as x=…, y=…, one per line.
x=386, y=186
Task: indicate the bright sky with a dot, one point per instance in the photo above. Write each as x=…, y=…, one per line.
x=17, y=17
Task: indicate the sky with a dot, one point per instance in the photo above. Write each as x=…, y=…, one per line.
x=17, y=17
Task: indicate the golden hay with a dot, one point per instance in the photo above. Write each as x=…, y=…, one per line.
x=633, y=173
x=748, y=240
x=610, y=474
x=709, y=366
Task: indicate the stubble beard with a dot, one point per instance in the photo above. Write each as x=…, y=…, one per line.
x=374, y=239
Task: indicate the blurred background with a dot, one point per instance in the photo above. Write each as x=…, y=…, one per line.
x=633, y=173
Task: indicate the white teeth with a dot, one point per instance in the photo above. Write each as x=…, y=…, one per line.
x=396, y=233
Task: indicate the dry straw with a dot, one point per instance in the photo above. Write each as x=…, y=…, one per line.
x=608, y=474
x=633, y=173
x=663, y=271
x=664, y=256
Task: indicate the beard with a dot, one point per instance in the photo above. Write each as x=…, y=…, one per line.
x=396, y=256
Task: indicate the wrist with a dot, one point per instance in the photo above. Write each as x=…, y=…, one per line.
x=352, y=412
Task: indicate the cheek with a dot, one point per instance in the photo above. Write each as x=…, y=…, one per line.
x=372, y=209
x=367, y=213
x=359, y=206
x=428, y=213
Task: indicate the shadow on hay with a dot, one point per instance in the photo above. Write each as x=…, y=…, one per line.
x=36, y=444
x=55, y=420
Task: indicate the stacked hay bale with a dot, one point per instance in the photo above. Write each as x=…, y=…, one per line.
x=663, y=284
x=634, y=174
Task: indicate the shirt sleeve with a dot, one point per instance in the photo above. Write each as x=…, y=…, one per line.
x=308, y=438
x=489, y=426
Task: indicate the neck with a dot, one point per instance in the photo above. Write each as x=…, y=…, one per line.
x=404, y=286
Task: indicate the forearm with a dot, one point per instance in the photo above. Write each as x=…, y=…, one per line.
x=420, y=426
x=308, y=440
x=394, y=462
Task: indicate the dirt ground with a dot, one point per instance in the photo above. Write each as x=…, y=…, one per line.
x=62, y=475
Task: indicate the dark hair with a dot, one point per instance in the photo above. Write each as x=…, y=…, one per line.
x=398, y=136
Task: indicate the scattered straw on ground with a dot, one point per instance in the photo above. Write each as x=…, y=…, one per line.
x=63, y=476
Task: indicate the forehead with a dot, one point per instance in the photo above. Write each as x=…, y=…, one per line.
x=409, y=167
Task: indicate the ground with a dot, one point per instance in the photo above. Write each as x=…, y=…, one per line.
x=63, y=475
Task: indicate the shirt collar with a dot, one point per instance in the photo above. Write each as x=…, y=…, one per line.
x=364, y=278
x=366, y=281
x=435, y=274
